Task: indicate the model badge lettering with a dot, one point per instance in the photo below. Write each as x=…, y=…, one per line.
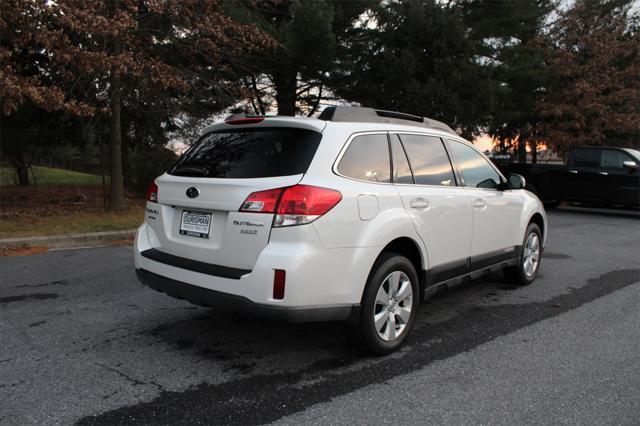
x=247, y=223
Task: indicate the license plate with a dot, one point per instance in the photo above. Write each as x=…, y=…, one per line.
x=195, y=224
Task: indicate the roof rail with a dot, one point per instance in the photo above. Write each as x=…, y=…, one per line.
x=371, y=115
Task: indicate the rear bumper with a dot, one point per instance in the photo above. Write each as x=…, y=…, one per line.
x=206, y=297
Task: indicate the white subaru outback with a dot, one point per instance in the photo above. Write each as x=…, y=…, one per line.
x=356, y=216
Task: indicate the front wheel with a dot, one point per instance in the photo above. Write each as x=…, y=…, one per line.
x=389, y=305
x=526, y=271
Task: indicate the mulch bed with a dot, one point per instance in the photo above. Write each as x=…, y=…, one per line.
x=52, y=201
x=21, y=251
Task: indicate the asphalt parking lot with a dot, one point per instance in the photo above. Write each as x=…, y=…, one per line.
x=82, y=341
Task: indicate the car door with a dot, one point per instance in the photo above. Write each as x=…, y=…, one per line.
x=440, y=210
x=620, y=184
x=496, y=213
x=583, y=178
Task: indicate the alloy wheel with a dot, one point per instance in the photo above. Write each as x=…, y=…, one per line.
x=393, y=305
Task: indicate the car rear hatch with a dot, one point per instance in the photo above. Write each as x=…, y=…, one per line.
x=199, y=199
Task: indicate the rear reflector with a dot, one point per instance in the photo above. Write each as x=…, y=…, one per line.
x=248, y=120
x=152, y=193
x=295, y=205
x=279, y=278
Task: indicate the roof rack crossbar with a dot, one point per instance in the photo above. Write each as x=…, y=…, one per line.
x=370, y=115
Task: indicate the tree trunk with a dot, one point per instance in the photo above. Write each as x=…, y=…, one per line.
x=534, y=152
x=21, y=168
x=286, y=82
x=522, y=150
x=22, y=171
x=116, y=194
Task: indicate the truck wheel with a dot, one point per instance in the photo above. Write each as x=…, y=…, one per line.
x=526, y=271
x=551, y=204
x=389, y=306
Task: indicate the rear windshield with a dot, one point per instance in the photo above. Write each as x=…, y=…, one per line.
x=249, y=153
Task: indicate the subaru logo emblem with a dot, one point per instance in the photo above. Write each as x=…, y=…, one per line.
x=193, y=192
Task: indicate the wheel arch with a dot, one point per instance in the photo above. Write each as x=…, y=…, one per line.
x=539, y=220
x=411, y=249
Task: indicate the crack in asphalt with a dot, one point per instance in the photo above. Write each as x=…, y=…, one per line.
x=133, y=380
x=265, y=398
x=47, y=284
x=27, y=297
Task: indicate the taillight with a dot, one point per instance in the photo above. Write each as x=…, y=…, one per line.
x=152, y=193
x=295, y=205
x=262, y=201
x=302, y=204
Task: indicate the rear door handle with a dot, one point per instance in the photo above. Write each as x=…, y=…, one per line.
x=479, y=203
x=573, y=171
x=419, y=204
x=603, y=173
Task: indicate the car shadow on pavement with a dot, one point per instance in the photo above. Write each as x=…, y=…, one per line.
x=245, y=343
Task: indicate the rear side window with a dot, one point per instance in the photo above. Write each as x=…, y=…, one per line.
x=367, y=158
x=585, y=158
x=429, y=160
x=250, y=153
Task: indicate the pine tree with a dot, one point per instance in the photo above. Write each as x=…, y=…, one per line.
x=415, y=57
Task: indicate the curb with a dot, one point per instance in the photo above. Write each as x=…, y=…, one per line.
x=90, y=239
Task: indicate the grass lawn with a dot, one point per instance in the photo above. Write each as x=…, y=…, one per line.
x=53, y=210
x=47, y=176
x=72, y=223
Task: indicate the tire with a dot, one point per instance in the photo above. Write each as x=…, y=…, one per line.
x=552, y=204
x=396, y=315
x=526, y=271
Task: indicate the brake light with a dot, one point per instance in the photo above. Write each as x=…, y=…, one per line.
x=152, y=193
x=262, y=201
x=295, y=205
x=247, y=120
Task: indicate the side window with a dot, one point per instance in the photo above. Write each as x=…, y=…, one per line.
x=367, y=158
x=428, y=159
x=476, y=170
x=585, y=158
x=613, y=159
x=401, y=168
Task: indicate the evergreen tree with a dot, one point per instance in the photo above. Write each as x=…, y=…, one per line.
x=513, y=48
x=293, y=72
x=414, y=56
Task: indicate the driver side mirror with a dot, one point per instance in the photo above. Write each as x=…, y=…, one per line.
x=631, y=165
x=516, y=181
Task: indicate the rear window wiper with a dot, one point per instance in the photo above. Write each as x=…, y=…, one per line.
x=190, y=171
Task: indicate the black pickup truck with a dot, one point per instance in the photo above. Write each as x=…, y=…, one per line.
x=592, y=175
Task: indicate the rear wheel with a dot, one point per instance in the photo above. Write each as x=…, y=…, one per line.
x=553, y=203
x=388, y=307
x=526, y=271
